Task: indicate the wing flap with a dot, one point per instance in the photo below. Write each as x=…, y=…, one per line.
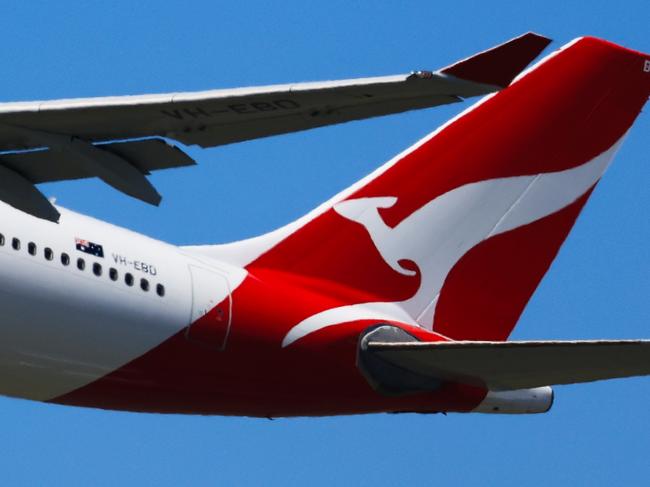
x=42, y=166
x=518, y=364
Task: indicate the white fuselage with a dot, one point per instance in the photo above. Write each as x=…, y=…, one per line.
x=63, y=327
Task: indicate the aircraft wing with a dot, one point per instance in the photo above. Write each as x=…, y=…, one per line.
x=517, y=364
x=76, y=138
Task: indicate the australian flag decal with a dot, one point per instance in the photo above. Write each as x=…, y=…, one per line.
x=89, y=247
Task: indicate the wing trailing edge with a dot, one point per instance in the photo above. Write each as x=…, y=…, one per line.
x=121, y=164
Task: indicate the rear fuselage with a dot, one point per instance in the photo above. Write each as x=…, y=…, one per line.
x=133, y=323
x=447, y=241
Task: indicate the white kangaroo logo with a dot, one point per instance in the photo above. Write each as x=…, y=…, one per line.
x=365, y=211
x=438, y=234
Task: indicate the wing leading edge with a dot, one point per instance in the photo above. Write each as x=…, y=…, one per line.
x=78, y=129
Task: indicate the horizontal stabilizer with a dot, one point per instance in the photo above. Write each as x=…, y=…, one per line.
x=517, y=364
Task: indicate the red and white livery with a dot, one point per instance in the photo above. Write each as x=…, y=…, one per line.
x=396, y=295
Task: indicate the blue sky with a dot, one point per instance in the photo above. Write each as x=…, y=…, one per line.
x=596, y=434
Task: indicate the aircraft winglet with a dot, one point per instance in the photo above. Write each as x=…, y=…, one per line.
x=499, y=65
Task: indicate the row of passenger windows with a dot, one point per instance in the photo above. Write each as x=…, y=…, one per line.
x=97, y=268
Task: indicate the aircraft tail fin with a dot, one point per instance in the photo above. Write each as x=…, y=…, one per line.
x=458, y=231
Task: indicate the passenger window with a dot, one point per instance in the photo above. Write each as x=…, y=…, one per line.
x=31, y=248
x=112, y=273
x=81, y=264
x=97, y=269
x=47, y=252
x=144, y=284
x=65, y=259
x=15, y=243
x=128, y=279
x=160, y=290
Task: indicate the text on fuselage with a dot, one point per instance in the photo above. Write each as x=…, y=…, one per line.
x=137, y=265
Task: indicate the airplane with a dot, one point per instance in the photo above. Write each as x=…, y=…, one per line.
x=396, y=295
